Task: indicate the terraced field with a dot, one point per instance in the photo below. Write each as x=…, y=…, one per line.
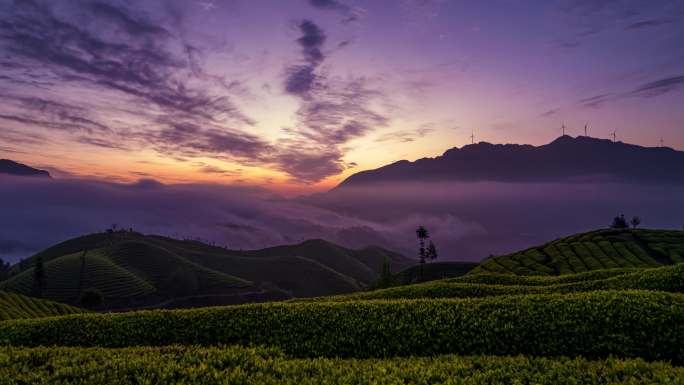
x=433, y=271
x=666, y=279
x=63, y=278
x=17, y=306
x=267, y=366
x=136, y=270
x=157, y=266
x=602, y=249
x=601, y=326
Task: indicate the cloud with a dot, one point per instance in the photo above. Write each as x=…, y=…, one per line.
x=48, y=113
x=332, y=112
x=649, y=89
x=588, y=18
x=349, y=14
x=596, y=101
x=301, y=77
x=649, y=23
x=406, y=136
x=38, y=214
x=467, y=221
x=187, y=139
x=124, y=56
x=121, y=18
x=210, y=169
x=658, y=87
x=103, y=143
x=550, y=112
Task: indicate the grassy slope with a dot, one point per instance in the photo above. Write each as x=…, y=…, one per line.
x=157, y=266
x=312, y=268
x=602, y=249
x=299, y=276
x=433, y=271
x=237, y=365
x=17, y=306
x=63, y=278
x=627, y=324
x=666, y=278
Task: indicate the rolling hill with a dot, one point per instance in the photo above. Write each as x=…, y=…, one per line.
x=602, y=249
x=665, y=279
x=17, y=306
x=555, y=161
x=134, y=270
x=485, y=327
x=433, y=271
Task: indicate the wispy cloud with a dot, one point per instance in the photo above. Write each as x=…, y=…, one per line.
x=348, y=13
x=406, y=136
x=129, y=55
x=332, y=112
x=658, y=87
x=649, y=23
x=645, y=90
x=596, y=101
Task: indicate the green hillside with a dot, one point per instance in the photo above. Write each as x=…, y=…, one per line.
x=134, y=270
x=602, y=249
x=475, y=328
x=17, y=306
x=666, y=279
x=65, y=280
x=163, y=268
x=433, y=271
x=626, y=324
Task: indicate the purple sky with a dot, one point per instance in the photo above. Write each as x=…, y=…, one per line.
x=296, y=95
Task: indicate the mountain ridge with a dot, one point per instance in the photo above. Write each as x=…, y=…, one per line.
x=557, y=160
x=11, y=167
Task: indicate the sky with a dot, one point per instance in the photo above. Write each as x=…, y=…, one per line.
x=295, y=95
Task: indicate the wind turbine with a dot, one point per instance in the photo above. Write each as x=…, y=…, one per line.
x=472, y=137
x=614, y=135
x=586, y=125
x=563, y=128
x=662, y=142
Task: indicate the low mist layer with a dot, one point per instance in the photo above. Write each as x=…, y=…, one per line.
x=467, y=221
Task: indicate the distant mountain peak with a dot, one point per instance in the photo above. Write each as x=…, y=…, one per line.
x=564, y=158
x=13, y=168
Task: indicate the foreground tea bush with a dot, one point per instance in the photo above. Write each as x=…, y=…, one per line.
x=668, y=278
x=645, y=324
x=235, y=365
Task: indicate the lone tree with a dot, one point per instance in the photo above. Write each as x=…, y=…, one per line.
x=431, y=252
x=385, y=275
x=422, y=235
x=636, y=221
x=619, y=222
x=38, y=277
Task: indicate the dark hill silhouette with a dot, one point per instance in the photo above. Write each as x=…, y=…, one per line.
x=565, y=157
x=133, y=270
x=13, y=168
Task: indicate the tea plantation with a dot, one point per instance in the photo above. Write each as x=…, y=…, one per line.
x=666, y=279
x=265, y=366
x=602, y=249
x=16, y=306
x=623, y=324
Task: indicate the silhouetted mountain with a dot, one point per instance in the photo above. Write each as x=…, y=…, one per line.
x=13, y=168
x=565, y=157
